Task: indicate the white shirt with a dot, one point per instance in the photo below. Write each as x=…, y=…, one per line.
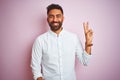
x=53, y=56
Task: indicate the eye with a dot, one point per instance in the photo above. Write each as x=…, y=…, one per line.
x=58, y=15
x=50, y=16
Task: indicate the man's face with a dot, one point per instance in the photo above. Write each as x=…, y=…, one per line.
x=55, y=19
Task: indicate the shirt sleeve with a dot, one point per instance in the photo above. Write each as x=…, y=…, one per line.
x=36, y=59
x=81, y=54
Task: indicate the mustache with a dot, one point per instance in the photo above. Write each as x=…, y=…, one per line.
x=55, y=22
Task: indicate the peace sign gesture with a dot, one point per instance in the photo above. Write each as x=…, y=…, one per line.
x=88, y=34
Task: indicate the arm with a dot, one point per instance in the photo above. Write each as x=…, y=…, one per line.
x=88, y=36
x=81, y=54
x=36, y=60
x=88, y=48
x=84, y=55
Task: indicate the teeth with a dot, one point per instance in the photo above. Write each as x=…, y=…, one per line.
x=56, y=23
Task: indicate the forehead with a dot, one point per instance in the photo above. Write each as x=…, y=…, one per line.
x=54, y=12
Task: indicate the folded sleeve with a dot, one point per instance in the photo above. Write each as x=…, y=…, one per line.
x=81, y=54
x=36, y=59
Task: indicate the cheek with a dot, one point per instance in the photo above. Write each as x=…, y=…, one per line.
x=49, y=20
x=61, y=20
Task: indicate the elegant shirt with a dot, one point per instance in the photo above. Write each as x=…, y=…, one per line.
x=53, y=56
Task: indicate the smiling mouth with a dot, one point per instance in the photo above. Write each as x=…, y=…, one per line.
x=55, y=23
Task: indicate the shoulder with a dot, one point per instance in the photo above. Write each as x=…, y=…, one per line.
x=70, y=34
x=41, y=37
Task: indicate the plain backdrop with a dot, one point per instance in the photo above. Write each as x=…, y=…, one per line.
x=21, y=21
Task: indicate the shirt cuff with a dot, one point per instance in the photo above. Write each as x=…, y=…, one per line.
x=86, y=54
x=86, y=58
x=37, y=76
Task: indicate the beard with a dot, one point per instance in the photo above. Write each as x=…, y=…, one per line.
x=54, y=27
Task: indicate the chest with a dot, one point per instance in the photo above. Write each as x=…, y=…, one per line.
x=53, y=47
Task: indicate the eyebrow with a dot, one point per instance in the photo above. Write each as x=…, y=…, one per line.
x=55, y=15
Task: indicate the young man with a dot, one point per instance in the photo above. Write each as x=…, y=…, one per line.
x=53, y=53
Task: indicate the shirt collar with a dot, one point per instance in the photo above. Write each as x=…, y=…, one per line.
x=56, y=35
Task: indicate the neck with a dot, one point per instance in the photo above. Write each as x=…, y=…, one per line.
x=58, y=31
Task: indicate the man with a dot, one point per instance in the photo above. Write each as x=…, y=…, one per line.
x=53, y=53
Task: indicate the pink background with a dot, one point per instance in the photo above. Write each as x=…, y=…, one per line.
x=21, y=21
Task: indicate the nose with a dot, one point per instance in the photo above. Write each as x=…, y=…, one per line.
x=55, y=19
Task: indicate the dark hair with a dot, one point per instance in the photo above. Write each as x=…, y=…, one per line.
x=54, y=6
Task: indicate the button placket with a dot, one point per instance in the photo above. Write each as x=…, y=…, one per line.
x=60, y=57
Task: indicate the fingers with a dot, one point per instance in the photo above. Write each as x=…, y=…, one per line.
x=89, y=35
x=86, y=28
x=90, y=32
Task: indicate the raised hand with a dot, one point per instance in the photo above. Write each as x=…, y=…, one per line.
x=88, y=34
